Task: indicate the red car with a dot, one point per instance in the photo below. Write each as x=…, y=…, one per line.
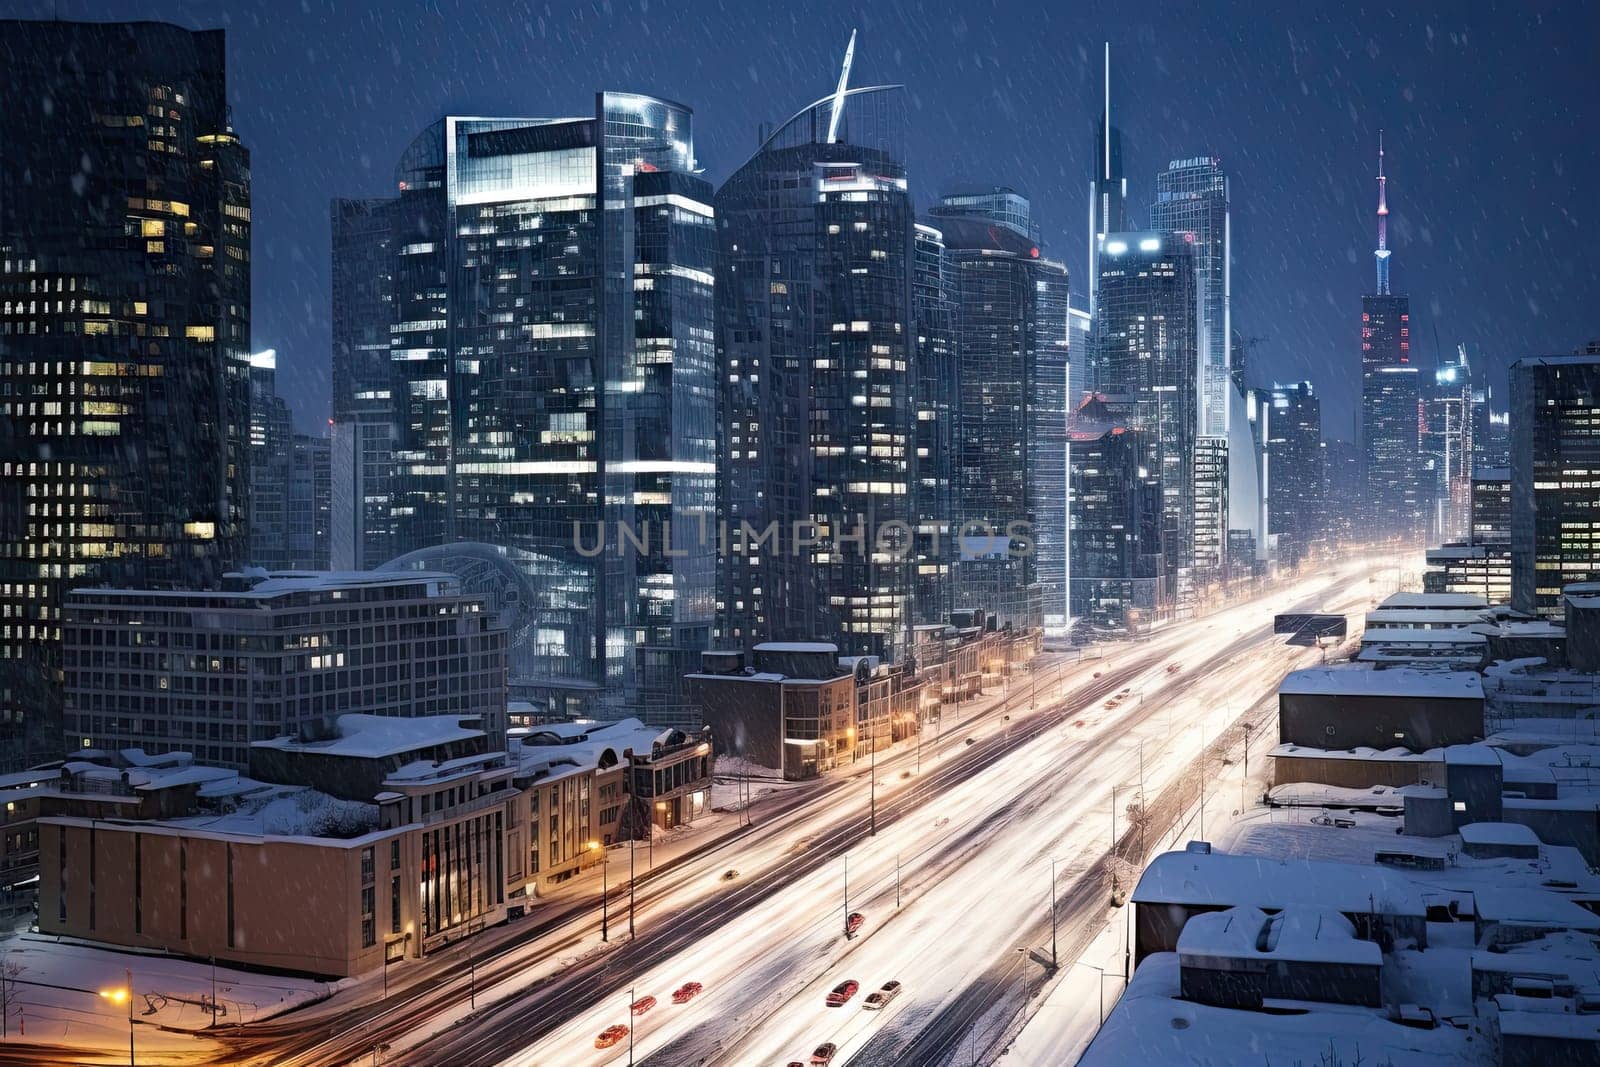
x=842, y=993
x=643, y=1004
x=610, y=1036
x=824, y=1055
x=853, y=923
x=686, y=992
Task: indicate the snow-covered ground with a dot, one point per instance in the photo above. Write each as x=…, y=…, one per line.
x=55, y=988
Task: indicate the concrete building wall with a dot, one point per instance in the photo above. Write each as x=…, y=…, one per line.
x=1380, y=722
x=1354, y=773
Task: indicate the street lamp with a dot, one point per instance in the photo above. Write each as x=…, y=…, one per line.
x=124, y=996
x=605, y=922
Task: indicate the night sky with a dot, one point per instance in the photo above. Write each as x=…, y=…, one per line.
x=1493, y=135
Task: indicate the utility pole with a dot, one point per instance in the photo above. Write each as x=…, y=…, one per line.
x=472, y=982
x=633, y=840
x=897, y=880
x=128, y=973
x=1142, y=819
x=1054, y=961
x=213, y=991
x=872, y=818
x=847, y=891
x=1202, y=782
x=630, y=1027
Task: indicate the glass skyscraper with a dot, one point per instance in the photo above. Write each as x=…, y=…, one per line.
x=1147, y=320
x=1294, y=460
x=124, y=334
x=551, y=361
x=938, y=409
x=1012, y=343
x=1555, y=452
x=1192, y=198
x=819, y=392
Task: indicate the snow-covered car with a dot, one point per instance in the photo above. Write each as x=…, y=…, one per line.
x=686, y=992
x=643, y=1004
x=824, y=1054
x=840, y=995
x=610, y=1036
x=880, y=999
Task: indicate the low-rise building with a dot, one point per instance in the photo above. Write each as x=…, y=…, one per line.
x=1345, y=707
x=1241, y=957
x=792, y=708
x=272, y=655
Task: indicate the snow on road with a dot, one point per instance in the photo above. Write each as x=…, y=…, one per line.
x=974, y=865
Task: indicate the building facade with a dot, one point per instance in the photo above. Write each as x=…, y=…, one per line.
x=1118, y=578
x=1148, y=329
x=1192, y=198
x=818, y=389
x=1555, y=502
x=1012, y=345
x=125, y=323
x=938, y=410
x=1294, y=457
x=546, y=290
x=210, y=673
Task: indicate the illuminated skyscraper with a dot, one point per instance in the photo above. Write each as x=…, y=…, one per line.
x=125, y=323
x=819, y=395
x=1389, y=397
x=938, y=408
x=1192, y=198
x=1147, y=321
x=1012, y=331
x=545, y=286
x=1294, y=460
x=1108, y=213
x=1555, y=452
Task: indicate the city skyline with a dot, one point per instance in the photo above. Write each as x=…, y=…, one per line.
x=1292, y=113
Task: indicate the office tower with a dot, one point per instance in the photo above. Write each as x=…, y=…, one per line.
x=1294, y=458
x=1447, y=447
x=1555, y=450
x=1192, y=198
x=1481, y=563
x=1343, y=483
x=1491, y=431
x=125, y=322
x=363, y=429
x=1012, y=344
x=271, y=459
x=1491, y=506
x=938, y=407
x=1147, y=323
x=1118, y=579
x=815, y=265
x=292, y=651
x=545, y=286
x=1108, y=213
x=1247, y=479
x=308, y=540
x=1389, y=436
x=1211, y=507
x=1236, y=360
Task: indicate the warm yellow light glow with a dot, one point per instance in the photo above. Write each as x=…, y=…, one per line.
x=116, y=996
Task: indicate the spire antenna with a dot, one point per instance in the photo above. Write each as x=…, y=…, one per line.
x=838, y=94
x=1382, y=251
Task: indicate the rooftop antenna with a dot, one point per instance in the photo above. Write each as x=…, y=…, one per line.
x=838, y=94
x=1382, y=252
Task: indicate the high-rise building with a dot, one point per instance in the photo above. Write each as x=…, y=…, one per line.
x=1555, y=451
x=1147, y=323
x=938, y=408
x=271, y=460
x=1211, y=507
x=1447, y=448
x=1294, y=459
x=1192, y=199
x=124, y=333
x=1343, y=483
x=364, y=413
x=1389, y=383
x=1118, y=579
x=1108, y=214
x=818, y=389
x=309, y=522
x=546, y=289
x=1012, y=325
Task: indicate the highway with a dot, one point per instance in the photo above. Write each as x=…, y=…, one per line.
x=972, y=837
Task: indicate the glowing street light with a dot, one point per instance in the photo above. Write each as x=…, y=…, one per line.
x=605, y=915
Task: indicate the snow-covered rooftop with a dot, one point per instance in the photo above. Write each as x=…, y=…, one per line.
x=1499, y=833
x=362, y=736
x=1218, y=878
x=1422, y=616
x=798, y=646
x=1432, y=600
x=1353, y=681
x=1533, y=907
x=583, y=745
x=270, y=584
x=1415, y=635
x=1304, y=935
